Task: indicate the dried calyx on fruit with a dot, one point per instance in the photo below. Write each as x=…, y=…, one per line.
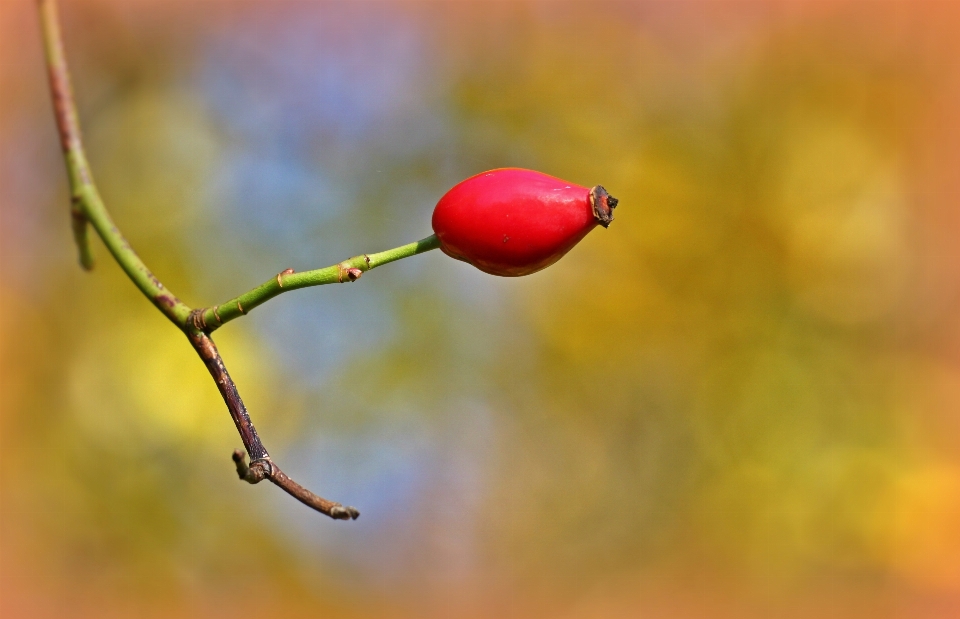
x=513, y=222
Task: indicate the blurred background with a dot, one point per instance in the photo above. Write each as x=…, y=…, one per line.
x=741, y=400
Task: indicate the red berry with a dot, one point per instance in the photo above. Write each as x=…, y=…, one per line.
x=513, y=222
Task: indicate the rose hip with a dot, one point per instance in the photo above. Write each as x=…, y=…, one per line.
x=513, y=222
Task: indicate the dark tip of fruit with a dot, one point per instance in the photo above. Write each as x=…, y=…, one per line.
x=603, y=204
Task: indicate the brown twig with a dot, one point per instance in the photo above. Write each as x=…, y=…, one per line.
x=87, y=208
x=265, y=468
x=261, y=466
x=228, y=390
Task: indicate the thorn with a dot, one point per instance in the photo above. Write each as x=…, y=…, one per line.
x=283, y=272
x=240, y=307
x=348, y=273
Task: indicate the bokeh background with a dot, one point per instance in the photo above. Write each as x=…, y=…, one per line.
x=741, y=400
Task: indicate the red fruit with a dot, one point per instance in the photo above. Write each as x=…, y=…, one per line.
x=513, y=222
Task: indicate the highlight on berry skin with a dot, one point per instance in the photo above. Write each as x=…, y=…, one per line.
x=512, y=222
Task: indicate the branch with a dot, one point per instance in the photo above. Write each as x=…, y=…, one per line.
x=87, y=208
x=68, y=126
x=86, y=204
x=211, y=318
x=261, y=465
x=266, y=469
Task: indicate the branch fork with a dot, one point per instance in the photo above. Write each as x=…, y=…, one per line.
x=87, y=209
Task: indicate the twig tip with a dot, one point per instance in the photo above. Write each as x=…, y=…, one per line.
x=343, y=512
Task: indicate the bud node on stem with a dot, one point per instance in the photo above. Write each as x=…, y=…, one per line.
x=281, y=274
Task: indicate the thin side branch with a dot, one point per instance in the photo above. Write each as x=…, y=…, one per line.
x=211, y=318
x=68, y=126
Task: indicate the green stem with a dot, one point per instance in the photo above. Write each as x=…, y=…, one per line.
x=88, y=208
x=86, y=205
x=210, y=318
